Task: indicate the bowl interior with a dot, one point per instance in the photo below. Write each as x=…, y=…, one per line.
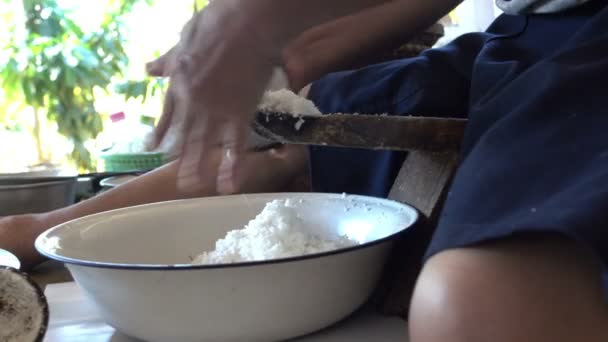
x=170, y=233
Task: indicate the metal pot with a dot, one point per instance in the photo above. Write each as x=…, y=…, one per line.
x=35, y=195
x=32, y=194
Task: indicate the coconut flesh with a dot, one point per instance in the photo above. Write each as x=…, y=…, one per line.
x=23, y=308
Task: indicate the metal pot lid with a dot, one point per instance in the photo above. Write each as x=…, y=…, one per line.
x=8, y=259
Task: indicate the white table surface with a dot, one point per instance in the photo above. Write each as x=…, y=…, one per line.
x=73, y=318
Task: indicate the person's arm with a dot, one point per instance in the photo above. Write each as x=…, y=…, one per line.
x=435, y=83
x=284, y=169
x=266, y=171
x=346, y=43
x=18, y=232
x=230, y=49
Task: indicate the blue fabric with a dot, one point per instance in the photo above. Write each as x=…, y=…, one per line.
x=433, y=84
x=434, y=87
x=535, y=156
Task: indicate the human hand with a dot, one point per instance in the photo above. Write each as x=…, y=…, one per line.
x=17, y=235
x=217, y=111
x=320, y=50
x=277, y=170
x=231, y=48
x=353, y=41
x=162, y=66
x=169, y=123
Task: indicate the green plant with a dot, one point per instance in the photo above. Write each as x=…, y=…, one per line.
x=198, y=5
x=140, y=89
x=55, y=67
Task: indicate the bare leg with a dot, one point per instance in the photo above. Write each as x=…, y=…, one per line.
x=536, y=289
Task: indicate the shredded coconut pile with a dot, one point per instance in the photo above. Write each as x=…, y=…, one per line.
x=278, y=101
x=286, y=101
x=277, y=232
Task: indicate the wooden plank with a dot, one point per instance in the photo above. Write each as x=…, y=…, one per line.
x=405, y=133
x=423, y=182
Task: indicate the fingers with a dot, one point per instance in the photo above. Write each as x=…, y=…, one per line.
x=311, y=55
x=235, y=136
x=213, y=152
x=216, y=90
x=200, y=157
x=156, y=68
x=166, y=118
x=166, y=64
x=163, y=65
x=323, y=49
x=278, y=171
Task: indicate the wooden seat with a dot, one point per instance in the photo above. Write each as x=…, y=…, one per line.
x=423, y=182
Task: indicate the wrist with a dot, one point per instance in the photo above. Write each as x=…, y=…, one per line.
x=281, y=21
x=246, y=24
x=53, y=218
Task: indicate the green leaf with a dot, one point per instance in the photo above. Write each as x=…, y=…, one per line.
x=86, y=57
x=72, y=27
x=28, y=92
x=69, y=79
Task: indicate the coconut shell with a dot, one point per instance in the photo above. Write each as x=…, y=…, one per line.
x=24, y=311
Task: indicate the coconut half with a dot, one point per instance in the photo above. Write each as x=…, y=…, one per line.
x=24, y=312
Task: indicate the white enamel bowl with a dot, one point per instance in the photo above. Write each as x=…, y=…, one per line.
x=133, y=263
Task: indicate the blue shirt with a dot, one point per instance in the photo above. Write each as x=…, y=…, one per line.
x=535, y=155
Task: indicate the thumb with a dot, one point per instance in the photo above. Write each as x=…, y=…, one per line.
x=162, y=66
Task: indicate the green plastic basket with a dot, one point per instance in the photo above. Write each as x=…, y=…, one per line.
x=123, y=162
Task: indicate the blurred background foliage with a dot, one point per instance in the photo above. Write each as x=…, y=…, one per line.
x=58, y=65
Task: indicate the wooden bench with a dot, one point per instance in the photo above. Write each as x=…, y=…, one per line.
x=423, y=182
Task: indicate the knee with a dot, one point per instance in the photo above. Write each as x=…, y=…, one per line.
x=509, y=292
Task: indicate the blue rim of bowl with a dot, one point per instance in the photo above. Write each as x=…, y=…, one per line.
x=187, y=267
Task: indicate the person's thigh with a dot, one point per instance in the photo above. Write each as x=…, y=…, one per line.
x=528, y=288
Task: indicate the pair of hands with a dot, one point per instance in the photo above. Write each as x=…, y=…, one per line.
x=227, y=52
x=203, y=93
